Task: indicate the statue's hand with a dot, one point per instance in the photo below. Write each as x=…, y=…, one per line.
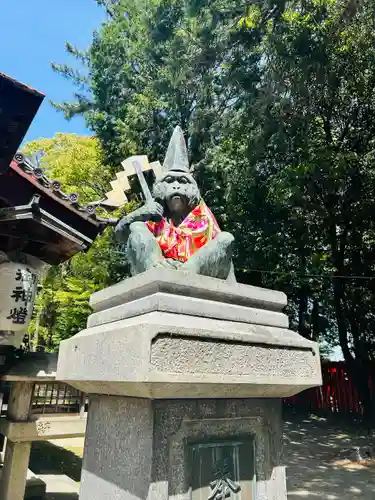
x=152, y=210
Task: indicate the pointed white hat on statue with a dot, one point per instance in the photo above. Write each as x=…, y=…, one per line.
x=176, y=158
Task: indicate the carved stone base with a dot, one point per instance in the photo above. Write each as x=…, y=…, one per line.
x=185, y=450
x=186, y=375
x=167, y=334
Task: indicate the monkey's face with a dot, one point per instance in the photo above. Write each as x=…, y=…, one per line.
x=178, y=192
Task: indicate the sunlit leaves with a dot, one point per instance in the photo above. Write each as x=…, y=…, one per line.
x=63, y=303
x=77, y=162
x=278, y=105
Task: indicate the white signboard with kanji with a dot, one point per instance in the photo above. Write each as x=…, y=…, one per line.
x=18, y=285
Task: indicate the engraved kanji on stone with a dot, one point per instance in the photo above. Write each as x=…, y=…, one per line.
x=20, y=294
x=27, y=276
x=223, y=486
x=18, y=315
x=19, y=275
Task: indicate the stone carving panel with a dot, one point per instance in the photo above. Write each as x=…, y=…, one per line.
x=223, y=469
x=191, y=355
x=43, y=427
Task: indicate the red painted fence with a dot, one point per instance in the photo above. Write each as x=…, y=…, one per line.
x=337, y=393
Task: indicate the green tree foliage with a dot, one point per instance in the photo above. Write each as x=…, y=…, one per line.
x=77, y=162
x=318, y=153
x=277, y=100
x=62, y=305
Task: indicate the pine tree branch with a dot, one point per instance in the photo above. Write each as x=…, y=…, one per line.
x=80, y=55
x=67, y=72
x=72, y=109
x=110, y=9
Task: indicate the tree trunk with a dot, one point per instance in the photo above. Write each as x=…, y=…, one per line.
x=315, y=333
x=358, y=369
x=361, y=374
x=302, y=312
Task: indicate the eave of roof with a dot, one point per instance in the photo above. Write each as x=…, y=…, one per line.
x=19, y=104
x=48, y=187
x=23, y=86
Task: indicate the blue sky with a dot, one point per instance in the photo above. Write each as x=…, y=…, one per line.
x=33, y=33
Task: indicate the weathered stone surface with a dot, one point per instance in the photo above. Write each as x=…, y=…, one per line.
x=13, y=480
x=43, y=428
x=35, y=486
x=16, y=460
x=190, y=306
x=164, y=334
x=137, y=449
x=118, y=451
x=187, y=355
x=186, y=374
x=190, y=285
x=128, y=344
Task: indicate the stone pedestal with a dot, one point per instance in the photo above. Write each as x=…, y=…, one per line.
x=14, y=478
x=186, y=376
x=20, y=427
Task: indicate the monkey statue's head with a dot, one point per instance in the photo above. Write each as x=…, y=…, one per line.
x=178, y=193
x=176, y=189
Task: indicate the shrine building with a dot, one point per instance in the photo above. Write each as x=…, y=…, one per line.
x=39, y=223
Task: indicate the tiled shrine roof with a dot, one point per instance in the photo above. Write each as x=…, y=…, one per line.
x=39, y=218
x=23, y=166
x=36, y=217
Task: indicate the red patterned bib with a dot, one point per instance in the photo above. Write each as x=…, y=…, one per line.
x=181, y=242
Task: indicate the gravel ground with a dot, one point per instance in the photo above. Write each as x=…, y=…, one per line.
x=318, y=455
x=321, y=463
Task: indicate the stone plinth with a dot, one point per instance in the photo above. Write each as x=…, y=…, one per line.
x=21, y=427
x=186, y=375
x=35, y=487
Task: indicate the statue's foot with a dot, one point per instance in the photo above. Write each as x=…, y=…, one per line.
x=143, y=251
x=224, y=239
x=214, y=259
x=167, y=264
